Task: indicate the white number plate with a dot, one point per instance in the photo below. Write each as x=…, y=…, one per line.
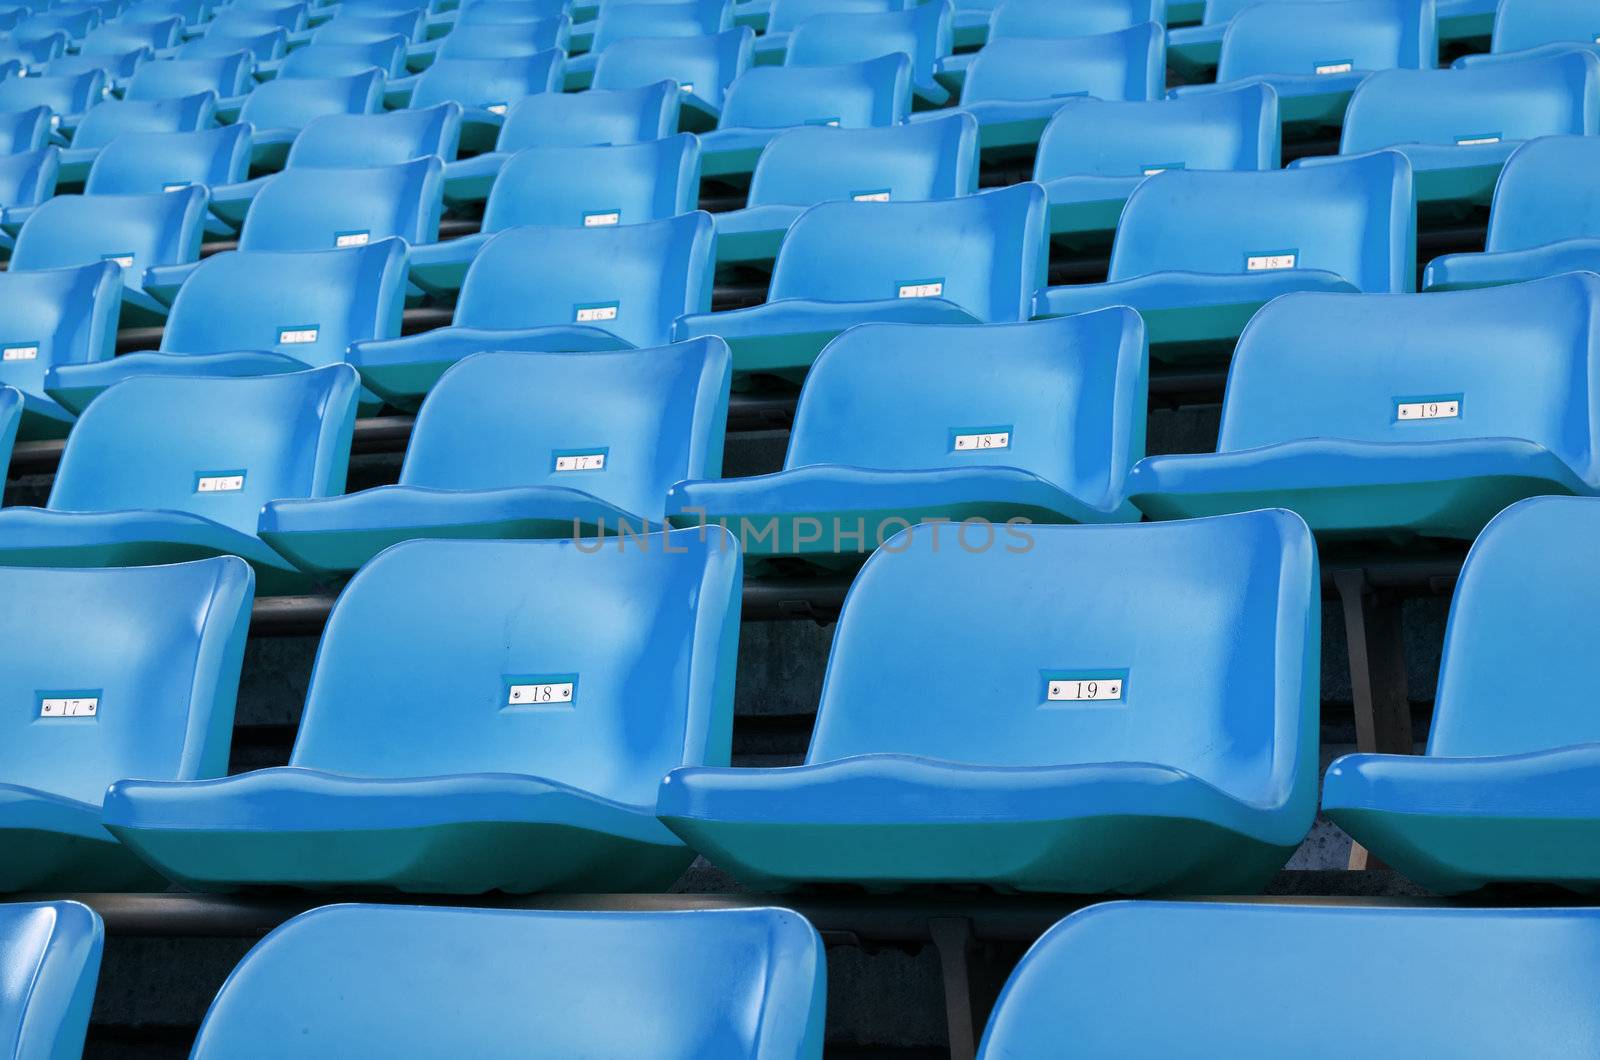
x=296, y=336
x=602, y=218
x=20, y=353
x=871, y=196
x=1267, y=262
x=998, y=440
x=1428, y=410
x=219, y=484
x=496, y=108
x=549, y=692
x=928, y=289
x=70, y=707
x=1472, y=141
x=588, y=314
x=581, y=462
x=1062, y=690
x=352, y=239
x=125, y=260
x=1335, y=68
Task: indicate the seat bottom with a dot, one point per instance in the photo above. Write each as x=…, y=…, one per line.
x=1456, y=272
x=57, y=844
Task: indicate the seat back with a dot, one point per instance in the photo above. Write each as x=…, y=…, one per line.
x=118, y=37
x=985, y=252
x=787, y=15
x=1127, y=64
x=581, y=119
x=490, y=12
x=922, y=33
x=115, y=117
x=1353, y=218
x=136, y=163
x=640, y=278
x=737, y=984
x=50, y=962
x=52, y=317
x=28, y=177
x=1086, y=988
x=309, y=305
x=24, y=130
x=1082, y=18
x=345, y=141
x=112, y=67
x=935, y=159
x=242, y=19
x=65, y=94
x=1522, y=24
x=695, y=18
x=861, y=95
x=1511, y=362
x=1545, y=194
x=1221, y=12
x=1323, y=37
x=1481, y=103
x=158, y=666
x=133, y=231
x=192, y=12
x=703, y=66
x=494, y=84
x=1525, y=593
x=368, y=28
x=1067, y=395
x=293, y=103
x=163, y=442
x=1220, y=615
x=261, y=45
x=505, y=40
x=657, y=416
x=586, y=628
x=1230, y=129
x=225, y=75
x=313, y=208
x=596, y=186
x=387, y=54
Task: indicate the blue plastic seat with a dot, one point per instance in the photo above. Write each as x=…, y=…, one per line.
x=1529, y=28
x=237, y=20
x=802, y=167
x=921, y=33
x=968, y=260
x=1193, y=51
x=35, y=50
x=138, y=163
x=1458, y=126
x=498, y=452
x=1413, y=415
x=901, y=424
x=50, y=961
x=1142, y=979
x=1047, y=19
x=45, y=24
x=1503, y=793
x=589, y=187
x=358, y=26
x=342, y=60
x=113, y=66
x=135, y=232
x=116, y=38
x=259, y=313
x=1315, y=53
x=279, y=109
x=1094, y=154
x=1545, y=219
x=1164, y=744
x=511, y=762
x=67, y=96
x=27, y=178
x=1197, y=253
x=146, y=689
x=556, y=289
x=567, y=119
x=485, y=90
x=117, y=117
x=787, y=15
x=219, y=42
x=225, y=75
x=193, y=12
x=24, y=130
x=1016, y=84
x=210, y=451
x=493, y=40
x=650, y=20
x=766, y=100
x=55, y=316
x=534, y=984
x=703, y=67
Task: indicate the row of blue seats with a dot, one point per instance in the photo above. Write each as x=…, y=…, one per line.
x=1114, y=709
x=1112, y=981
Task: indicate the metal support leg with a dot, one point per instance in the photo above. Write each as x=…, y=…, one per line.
x=952, y=937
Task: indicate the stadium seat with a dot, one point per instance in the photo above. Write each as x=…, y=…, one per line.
x=360, y=26
x=505, y=447
x=1545, y=219
x=1050, y=20
x=166, y=469
x=315, y=208
x=261, y=46
x=135, y=232
x=902, y=424
x=567, y=119
x=67, y=96
x=1197, y=253
x=1193, y=51
x=492, y=40
x=1458, y=126
x=120, y=37
x=812, y=164
x=43, y=25
x=1390, y=435
x=920, y=32
x=703, y=67
x=1094, y=153
x=968, y=260
x=117, y=117
x=786, y=15
x=518, y=753
x=346, y=141
x=735, y=984
x=1016, y=84
x=225, y=75
x=279, y=109
x=259, y=313
x=54, y=317
x=766, y=100
x=35, y=50
x=341, y=60
x=24, y=130
x=193, y=12
x=146, y=689
x=1531, y=28
x=1120, y=980
x=1501, y=796
x=1315, y=53
x=112, y=66
x=1062, y=781
x=237, y=20
x=50, y=962
x=27, y=178
x=140, y=163
x=550, y=289
x=643, y=21
x=485, y=89
x=589, y=187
